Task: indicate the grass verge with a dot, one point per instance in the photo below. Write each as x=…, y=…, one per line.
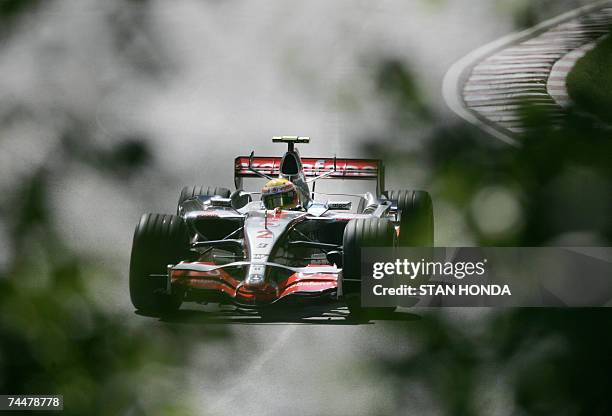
x=589, y=84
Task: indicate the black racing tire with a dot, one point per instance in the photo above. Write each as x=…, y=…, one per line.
x=189, y=192
x=360, y=233
x=416, y=227
x=159, y=240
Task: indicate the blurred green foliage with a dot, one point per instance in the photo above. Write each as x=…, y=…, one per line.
x=11, y=8
x=396, y=81
x=55, y=336
x=519, y=362
x=509, y=361
x=589, y=83
x=528, y=13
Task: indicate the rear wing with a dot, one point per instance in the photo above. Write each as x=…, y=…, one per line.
x=364, y=169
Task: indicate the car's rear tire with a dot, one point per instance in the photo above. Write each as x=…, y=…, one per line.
x=358, y=234
x=417, y=220
x=189, y=192
x=159, y=240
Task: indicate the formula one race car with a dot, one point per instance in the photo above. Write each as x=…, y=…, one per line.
x=288, y=245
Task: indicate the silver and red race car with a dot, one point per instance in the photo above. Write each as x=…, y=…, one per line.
x=225, y=247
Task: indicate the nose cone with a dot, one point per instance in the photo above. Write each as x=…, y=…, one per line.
x=255, y=281
x=255, y=295
x=256, y=290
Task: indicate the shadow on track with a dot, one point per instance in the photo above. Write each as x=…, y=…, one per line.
x=330, y=314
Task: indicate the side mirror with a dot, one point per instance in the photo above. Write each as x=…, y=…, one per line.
x=240, y=198
x=216, y=201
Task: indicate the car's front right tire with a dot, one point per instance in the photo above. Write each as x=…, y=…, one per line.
x=159, y=240
x=362, y=233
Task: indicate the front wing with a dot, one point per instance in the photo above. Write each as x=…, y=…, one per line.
x=312, y=281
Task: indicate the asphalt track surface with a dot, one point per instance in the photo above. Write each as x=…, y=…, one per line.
x=323, y=364
x=222, y=81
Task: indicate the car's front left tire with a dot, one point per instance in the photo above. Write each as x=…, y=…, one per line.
x=159, y=240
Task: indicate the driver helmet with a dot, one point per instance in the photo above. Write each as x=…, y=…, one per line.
x=279, y=193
